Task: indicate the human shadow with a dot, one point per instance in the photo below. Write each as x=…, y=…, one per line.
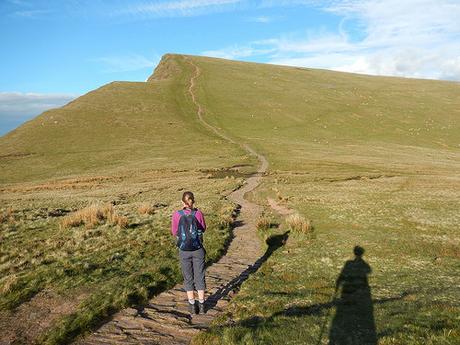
x=353, y=322
x=274, y=242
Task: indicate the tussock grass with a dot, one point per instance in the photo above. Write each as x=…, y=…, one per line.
x=7, y=216
x=299, y=224
x=226, y=216
x=92, y=216
x=6, y=283
x=264, y=222
x=146, y=208
x=116, y=219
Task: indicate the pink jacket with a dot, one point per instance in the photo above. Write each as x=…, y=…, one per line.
x=176, y=216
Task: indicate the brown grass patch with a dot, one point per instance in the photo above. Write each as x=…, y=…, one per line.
x=92, y=216
x=7, y=283
x=116, y=219
x=226, y=216
x=264, y=222
x=70, y=183
x=146, y=208
x=7, y=216
x=298, y=223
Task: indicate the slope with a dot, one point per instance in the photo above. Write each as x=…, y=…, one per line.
x=295, y=114
x=369, y=160
x=120, y=125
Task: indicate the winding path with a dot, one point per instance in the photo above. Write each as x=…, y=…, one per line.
x=165, y=319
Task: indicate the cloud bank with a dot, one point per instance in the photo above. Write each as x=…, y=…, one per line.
x=17, y=107
x=410, y=38
x=179, y=8
x=133, y=9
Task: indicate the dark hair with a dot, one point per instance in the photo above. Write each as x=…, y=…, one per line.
x=358, y=251
x=188, y=195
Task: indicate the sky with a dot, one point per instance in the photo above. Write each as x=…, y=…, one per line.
x=53, y=51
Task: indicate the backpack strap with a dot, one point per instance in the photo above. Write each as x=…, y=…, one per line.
x=192, y=212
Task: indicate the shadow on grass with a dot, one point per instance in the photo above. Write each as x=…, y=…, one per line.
x=353, y=321
x=223, y=251
x=274, y=242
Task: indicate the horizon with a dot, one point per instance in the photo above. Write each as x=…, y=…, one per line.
x=98, y=43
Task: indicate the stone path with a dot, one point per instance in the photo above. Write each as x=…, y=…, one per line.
x=165, y=319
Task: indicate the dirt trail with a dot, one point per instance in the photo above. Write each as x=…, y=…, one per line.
x=165, y=319
x=31, y=318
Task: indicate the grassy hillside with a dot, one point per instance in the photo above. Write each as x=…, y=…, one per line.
x=119, y=126
x=292, y=114
x=133, y=146
x=371, y=161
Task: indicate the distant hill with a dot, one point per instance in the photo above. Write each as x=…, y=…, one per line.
x=121, y=125
x=285, y=112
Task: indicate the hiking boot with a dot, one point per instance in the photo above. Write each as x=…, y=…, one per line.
x=192, y=308
x=201, y=308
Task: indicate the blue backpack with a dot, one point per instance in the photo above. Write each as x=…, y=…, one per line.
x=188, y=234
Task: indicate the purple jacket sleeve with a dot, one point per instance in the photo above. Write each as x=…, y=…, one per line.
x=175, y=222
x=200, y=217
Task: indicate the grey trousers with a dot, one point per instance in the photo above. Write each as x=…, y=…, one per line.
x=192, y=265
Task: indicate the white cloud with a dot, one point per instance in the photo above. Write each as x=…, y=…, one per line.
x=235, y=52
x=175, y=8
x=261, y=19
x=19, y=2
x=122, y=9
x=31, y=13
x=411, y=38
x=126, y=63
x=18, y=107
x=19, y=104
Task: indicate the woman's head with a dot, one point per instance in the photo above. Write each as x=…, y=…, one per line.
x=188, y=199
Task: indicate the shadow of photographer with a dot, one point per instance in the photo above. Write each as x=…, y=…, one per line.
x=353, y=322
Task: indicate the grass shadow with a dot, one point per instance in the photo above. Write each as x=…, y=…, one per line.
x=353, y=321
x=233, y=225
x=274, y=242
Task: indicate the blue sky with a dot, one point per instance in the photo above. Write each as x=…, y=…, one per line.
x=54, y=51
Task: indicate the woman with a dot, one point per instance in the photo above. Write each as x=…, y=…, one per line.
x=188, y=225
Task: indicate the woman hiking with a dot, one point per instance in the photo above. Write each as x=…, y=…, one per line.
x=188, y=225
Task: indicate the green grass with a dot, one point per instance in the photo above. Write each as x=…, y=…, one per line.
x=124, y=143
x=411, y=242
x=119, y=127
x=108, y=267
x=371, y=161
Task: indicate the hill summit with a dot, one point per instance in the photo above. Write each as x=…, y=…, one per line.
x=283, y=111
